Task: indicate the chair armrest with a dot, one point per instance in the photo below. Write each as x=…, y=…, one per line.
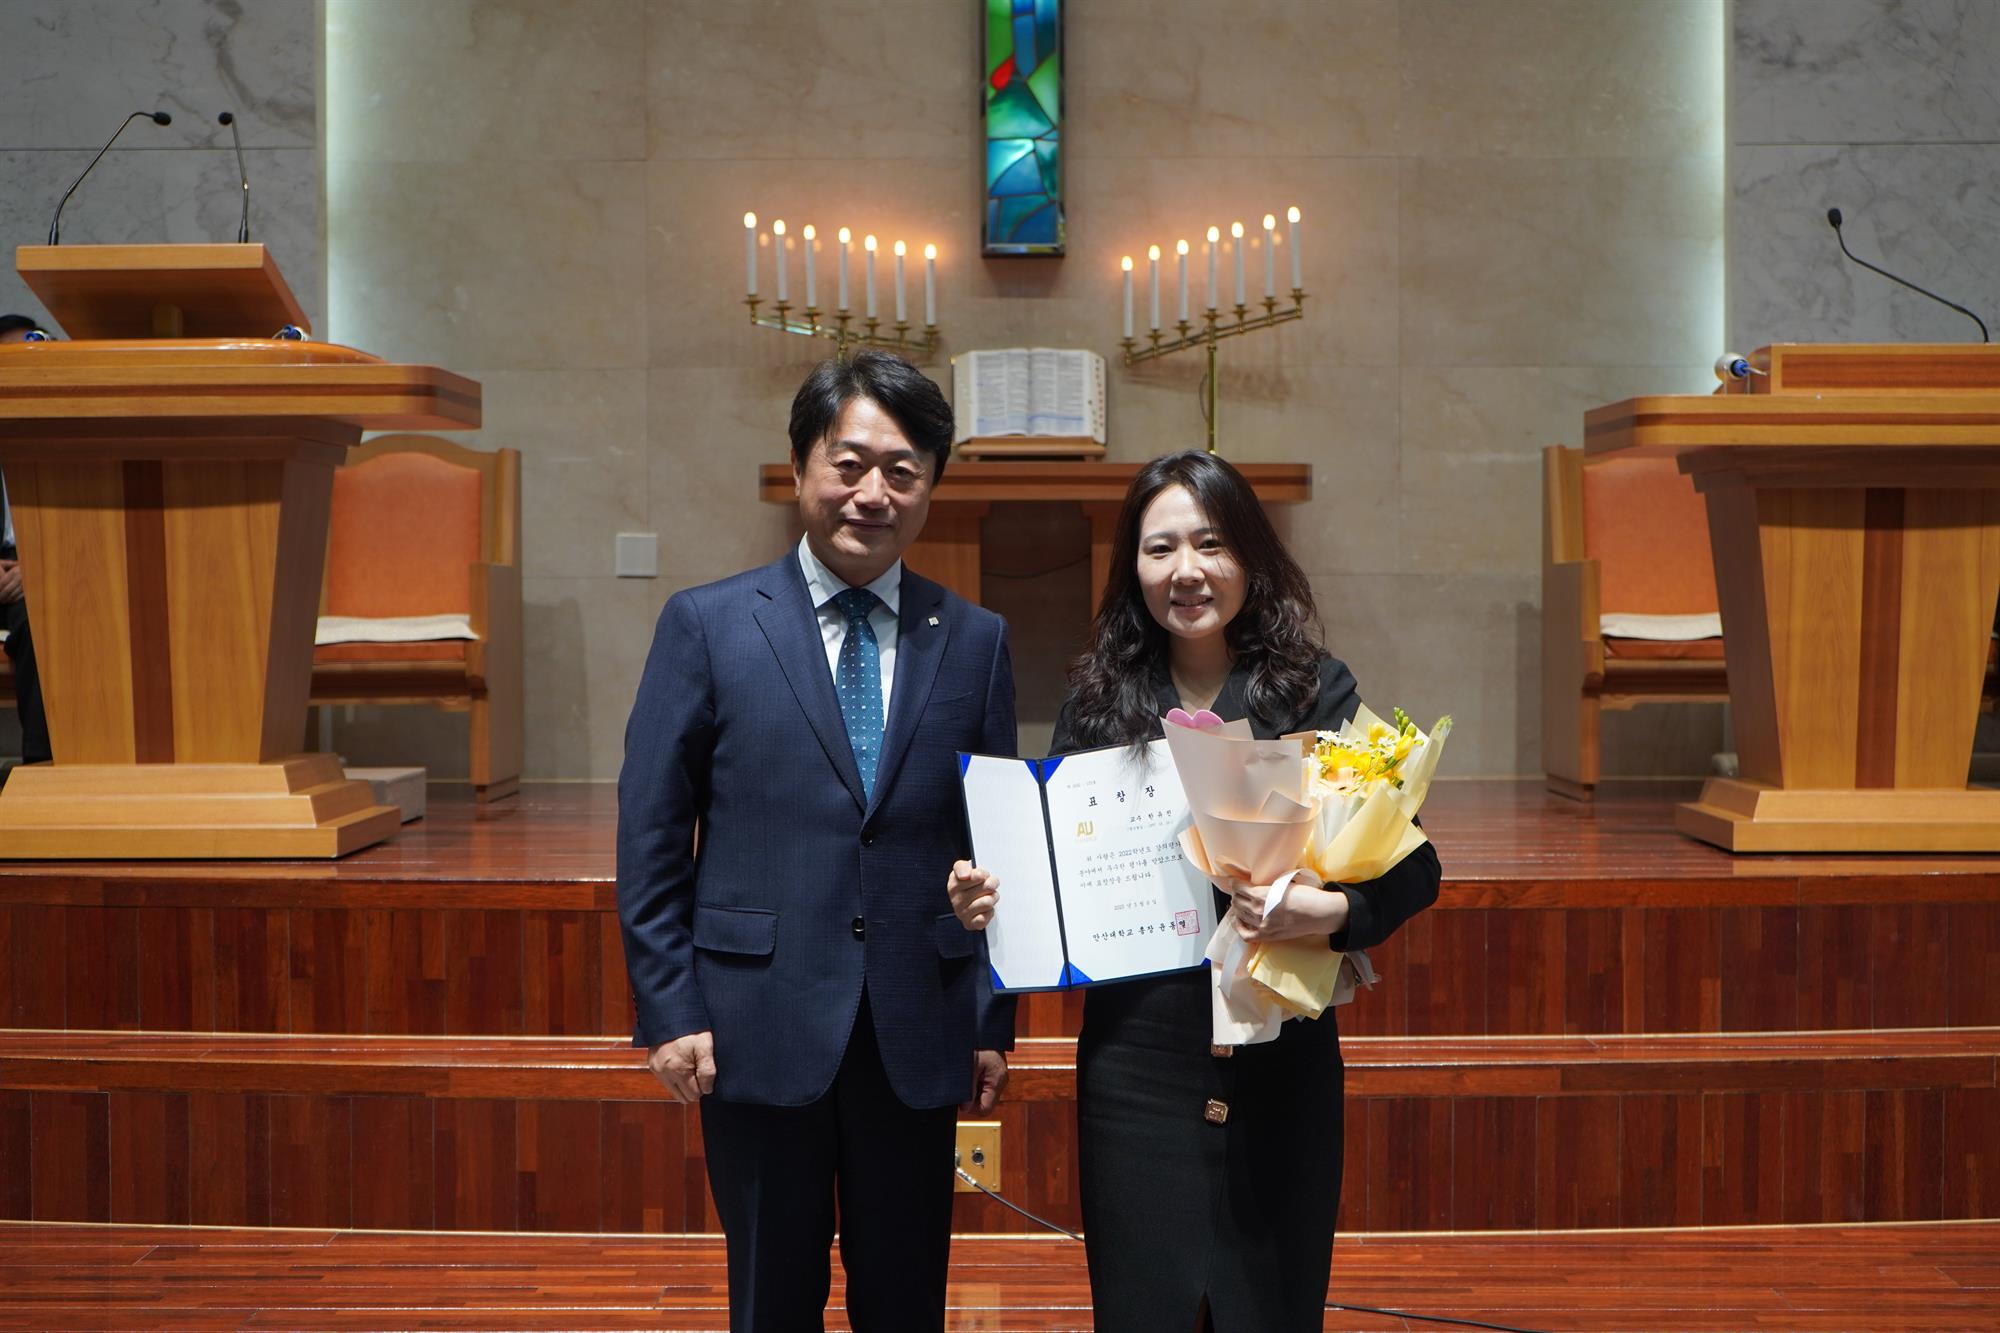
x=1571, y=616
x=496, y=616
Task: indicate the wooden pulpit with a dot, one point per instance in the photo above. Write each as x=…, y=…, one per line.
x=170, y=499
x=1854, y=515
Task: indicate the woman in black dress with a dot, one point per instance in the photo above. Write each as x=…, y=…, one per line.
x=1210, y=1175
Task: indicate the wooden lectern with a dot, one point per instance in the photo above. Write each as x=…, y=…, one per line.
x=1854, y=514
x=170, y=502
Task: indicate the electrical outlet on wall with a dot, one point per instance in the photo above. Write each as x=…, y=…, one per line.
x=978, y=1148
x=637, y=555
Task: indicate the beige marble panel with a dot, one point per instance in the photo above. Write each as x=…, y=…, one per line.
x=505, y=265
x=1282, y=78
x=582, y=437
x=1467, y=646
x=1572, y=261
x=777, y=80
x=487, y=80
x=709, y=432
x=1349, y=244
x=1340, y=420
x=1471, y=456
x=1561, y=78
x=587, y=643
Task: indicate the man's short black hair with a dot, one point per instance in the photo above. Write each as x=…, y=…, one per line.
x=911, y=399
x=16, y=324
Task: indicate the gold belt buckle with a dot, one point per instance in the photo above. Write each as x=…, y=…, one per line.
x=1216, y=1112
x=1222, y=1052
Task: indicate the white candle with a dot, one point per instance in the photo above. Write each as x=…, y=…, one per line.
x=812, y=283
x=1153, y=274
x=1214, y=244
x=1236, y=234
x=845, y=237
x=902, y=310
x=1270, y=255
x=1180, y=258
x=1292, y=240
x=930, y=286
x=1126, y=264
x=868, y=244
x=750, y=253
x=778, y=244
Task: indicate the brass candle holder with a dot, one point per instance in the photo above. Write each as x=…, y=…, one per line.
x=1214, y=328
x=915, y=343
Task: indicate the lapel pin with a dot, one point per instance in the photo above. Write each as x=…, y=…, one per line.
x=933, y=620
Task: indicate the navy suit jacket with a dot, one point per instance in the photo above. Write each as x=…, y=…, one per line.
x=747, y=930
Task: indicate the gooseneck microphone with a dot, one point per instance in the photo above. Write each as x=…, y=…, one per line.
x=55, y=223
x=243, y=227
x=1833, y=219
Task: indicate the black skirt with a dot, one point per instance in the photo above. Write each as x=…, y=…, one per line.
x=1178, y=1210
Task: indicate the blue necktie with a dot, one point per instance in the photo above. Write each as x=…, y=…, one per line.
x=859, y=681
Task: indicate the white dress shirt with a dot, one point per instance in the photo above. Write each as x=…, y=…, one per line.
x=6, y=518
x=823, y=585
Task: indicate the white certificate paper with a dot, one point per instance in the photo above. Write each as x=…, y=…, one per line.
x=1093, y=884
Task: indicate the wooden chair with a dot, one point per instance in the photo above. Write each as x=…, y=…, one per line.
x=1626, y=537
x=425, y=527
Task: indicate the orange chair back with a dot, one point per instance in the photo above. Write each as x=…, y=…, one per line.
x=1647, y=527
x=404, y=536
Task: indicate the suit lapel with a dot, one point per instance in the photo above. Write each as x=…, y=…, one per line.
x=921, y=634
x=791, y=624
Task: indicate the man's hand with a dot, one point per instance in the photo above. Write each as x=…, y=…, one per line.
x=10, y=581
x=1302, y=913
x=974, y=893
x=685, y=1066
x=989, y=1077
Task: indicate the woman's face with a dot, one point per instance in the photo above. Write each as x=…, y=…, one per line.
x=1192, y=584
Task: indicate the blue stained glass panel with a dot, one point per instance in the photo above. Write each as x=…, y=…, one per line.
x=1023, y=103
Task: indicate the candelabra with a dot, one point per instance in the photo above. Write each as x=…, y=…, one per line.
x=847, y=329
x=1212, y=331
x=1184, y=335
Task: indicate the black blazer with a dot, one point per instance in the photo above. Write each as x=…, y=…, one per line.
x=1375, y=909
x=751, y=932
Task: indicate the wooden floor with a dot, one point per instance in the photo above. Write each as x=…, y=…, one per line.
x=1916, y=1276
x=1492, y=834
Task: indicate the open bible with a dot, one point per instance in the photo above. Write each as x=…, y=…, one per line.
x=1028, y=402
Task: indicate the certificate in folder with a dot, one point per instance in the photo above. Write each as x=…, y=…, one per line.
x=1094, y=886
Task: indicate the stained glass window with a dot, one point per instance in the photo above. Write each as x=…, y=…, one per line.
x=1024, y=203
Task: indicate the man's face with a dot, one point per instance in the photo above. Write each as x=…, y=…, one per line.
x=864, y=493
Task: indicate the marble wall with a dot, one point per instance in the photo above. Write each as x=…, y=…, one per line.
x=1888, y=110
x=70, y=70
x=1515, y=210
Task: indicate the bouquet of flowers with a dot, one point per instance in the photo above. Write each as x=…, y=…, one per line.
x=1318, y=808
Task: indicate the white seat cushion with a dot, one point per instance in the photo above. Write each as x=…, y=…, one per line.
x=391, y=629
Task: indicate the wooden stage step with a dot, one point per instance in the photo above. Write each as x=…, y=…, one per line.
x=1887, y=1277
x=572, y=1134
x=1554, y=918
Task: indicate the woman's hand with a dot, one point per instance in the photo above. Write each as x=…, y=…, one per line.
x=974, y=893
x=1304, y=912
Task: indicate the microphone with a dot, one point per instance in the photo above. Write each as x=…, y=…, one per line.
x=243, y=227
x=1733, y=366
x=55, y=223
x=1833, y=220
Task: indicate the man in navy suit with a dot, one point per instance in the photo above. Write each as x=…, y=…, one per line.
x=788, y=816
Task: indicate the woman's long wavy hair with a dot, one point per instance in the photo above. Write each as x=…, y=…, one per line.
x=1277, y=635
